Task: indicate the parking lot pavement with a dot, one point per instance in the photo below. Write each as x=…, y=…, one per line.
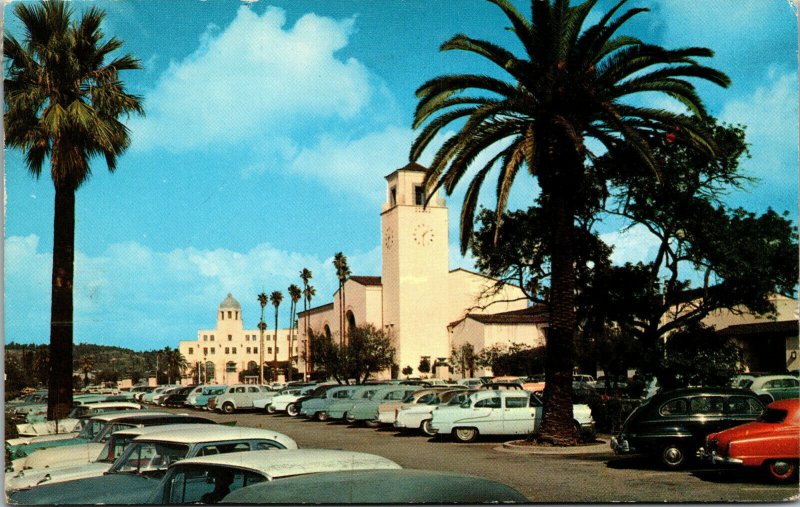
x=595, y=476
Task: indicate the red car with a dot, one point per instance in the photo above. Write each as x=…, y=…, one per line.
x=772, y=442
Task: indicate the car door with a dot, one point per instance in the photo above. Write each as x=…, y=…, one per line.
x=486, y=414
x=518, y=419
x=706, y=415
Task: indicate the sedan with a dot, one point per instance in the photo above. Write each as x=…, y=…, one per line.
x=771, y=443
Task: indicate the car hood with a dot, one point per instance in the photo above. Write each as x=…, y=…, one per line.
x=64, y=455
x=29, y=478
x=107, y=489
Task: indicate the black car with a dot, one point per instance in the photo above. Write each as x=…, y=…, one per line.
x=672, y=425
x=178, y=398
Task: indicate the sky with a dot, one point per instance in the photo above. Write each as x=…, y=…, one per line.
x=269, y=128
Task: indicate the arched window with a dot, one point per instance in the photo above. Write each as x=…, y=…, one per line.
x=351, y=322
x=230, y=366
x=209, y=373
x=327, y=330
x=252, y=365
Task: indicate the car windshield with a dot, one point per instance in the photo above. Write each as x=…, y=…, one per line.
x=198, y=484
x=114, y=447
x=773, y=416
x=91, y=429
x=144, y=457
x=109, y=429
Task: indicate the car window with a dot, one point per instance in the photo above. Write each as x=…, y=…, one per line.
x=222, y=448
x=240, y=389
x=517, y=402
x=341, y=394
x=231, y=390
x=679, y=406
x=266, y=445
x=773, y=415
x=706, y=405
x=743, y=405
x=493, y=402
x=253, y=390
x=194, y=485
x=426, y=398
x=149, y=456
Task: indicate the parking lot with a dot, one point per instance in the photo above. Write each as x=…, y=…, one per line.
x=596, y=476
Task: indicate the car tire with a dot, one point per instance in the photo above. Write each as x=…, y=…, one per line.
x=427, y=428
x=373, y=423
x=349, y=418
x=269, y=409
x=781, y=469
x=291, y=410
x=228, y=407
x=465, y=434
x=322, y=416
x=673, y=456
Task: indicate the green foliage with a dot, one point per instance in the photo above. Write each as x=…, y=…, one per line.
x=408, y=370
x=367, y=351
x=520, y=361
x=464, y=359
x=698, y=356
x=424, y=365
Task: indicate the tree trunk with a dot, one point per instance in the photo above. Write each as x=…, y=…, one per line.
x=59, y=399
x=557, y=425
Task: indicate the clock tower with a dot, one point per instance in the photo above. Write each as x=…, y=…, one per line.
x=415, y=268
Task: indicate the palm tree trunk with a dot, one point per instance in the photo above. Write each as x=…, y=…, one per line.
x=275, y=350
x=59, y=401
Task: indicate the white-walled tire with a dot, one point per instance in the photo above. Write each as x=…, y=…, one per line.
x=465, y=434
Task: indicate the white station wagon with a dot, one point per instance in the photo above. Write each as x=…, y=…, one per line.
x=512, y=412
x=209, y=479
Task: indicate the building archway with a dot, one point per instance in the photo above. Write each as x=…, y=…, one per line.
x=351, y=322
x=209, y=372
x=252, y=366
x=327, y=331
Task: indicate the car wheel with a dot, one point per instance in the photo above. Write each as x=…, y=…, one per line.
x=349, y=418
x=269, y=409
x=228, y=407
x=322, y=416
x=781, y=470
x=291, y=410
x=373, y=423
x=427, y=428
x=465, y=434
x=673, y=456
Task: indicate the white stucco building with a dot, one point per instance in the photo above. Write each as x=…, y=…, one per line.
x=417, y=299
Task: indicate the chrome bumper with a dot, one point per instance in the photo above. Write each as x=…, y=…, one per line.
x=620, y=445
x=716, y=459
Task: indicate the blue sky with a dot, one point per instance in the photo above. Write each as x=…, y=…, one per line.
x=270, y=126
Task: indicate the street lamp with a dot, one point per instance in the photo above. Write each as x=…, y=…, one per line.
x=262, y=300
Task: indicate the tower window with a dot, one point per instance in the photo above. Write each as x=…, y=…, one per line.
x=234, y=350
x=237, y=315
x=393, y=196
x=227, y=350
x=419, y=195
x=222, y=315
x=230, y=314
x=248, y=350
x=212, y=337
x=213, y=351
x=205, y=351
x=255, y=350
x=191, y=351
x=205, y=337
x=230, y=337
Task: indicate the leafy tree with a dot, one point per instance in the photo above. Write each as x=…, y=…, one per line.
x=463, y=358
x=407, y=371
x=342, y=273
x=424, y=365
x=86, y=365
x=569, y=86
x=697, y=355
x=174, y=364
x=63, y=103
x=369, y=350
x=41, y=365
x=520, y=361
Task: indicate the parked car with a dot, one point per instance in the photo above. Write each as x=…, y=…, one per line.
x=771, y=443
x=159, y=398
x=316, y=408
x=281, y=401
x=135, y=475
x=201, y=400
x=672, y=425
x=339, y=408
x=770, y=388
x=368, y=410
x=369, y=487
x=386, y=412
x=69, y=466
x=149, y=396
x=98, y=431
x=506, y=412
x=240, y=396
x=418, y=416
x=73, y=419
x=469, y=382
x=177, y=397
x=209, y=479
x=293, y=409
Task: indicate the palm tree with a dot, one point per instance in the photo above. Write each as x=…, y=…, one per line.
x=308, y=292
x=262, y=300
x=86, y=364
x=175, y=364
x=342, y=272
x=63, y=103
x=567, y=86
x=294, y=294
x=275, y=298
x=305, y=275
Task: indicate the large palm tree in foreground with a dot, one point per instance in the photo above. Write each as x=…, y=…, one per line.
x=64, y=103
x=571, y=83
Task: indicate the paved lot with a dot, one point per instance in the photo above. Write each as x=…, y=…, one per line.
x=595, y=477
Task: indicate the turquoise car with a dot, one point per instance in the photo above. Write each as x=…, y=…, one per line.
x=201, y=400
x=317, y=408
x=367, y=410
x=339, y=407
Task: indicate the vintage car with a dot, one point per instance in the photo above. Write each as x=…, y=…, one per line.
x=509, y=412
x=159, y=398
x=200, y=401
x=770, y=388
x=418, y=416
x=149, y=396
x=73, y=419
x=772, y=442
x=293, y=409
x=177, y=397
x=281, y=401
x=70, y=466
x=209, y=479
x=339, y=408
x=368, y=410
x=386, y=412
x=135, y=475
x=316, y=408
x=369, y=487
x=672, y=425
x=96, y=431
x=469, y=382
x=241, y=396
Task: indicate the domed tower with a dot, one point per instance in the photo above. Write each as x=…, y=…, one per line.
x=229, y=316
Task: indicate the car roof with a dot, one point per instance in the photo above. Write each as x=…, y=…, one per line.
x=285, y=463
x=761, y=379
x=697, y=391
x=378, y=487
x=113, y=416
x=145, y=430
x=111, y=404
x=212, y=432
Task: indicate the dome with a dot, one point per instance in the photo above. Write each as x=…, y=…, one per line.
x=230, y=302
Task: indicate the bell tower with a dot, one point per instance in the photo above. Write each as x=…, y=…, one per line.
x=415, y=268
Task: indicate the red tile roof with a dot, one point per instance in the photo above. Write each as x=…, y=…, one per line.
x=367, y=280
x=538, y=314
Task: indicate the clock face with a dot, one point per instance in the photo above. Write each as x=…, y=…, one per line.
x=423, y=235
x=388, y=238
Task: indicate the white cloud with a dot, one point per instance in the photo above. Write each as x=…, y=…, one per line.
x=251, y=79
x=632, y=245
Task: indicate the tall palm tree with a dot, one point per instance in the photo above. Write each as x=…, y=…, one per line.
x=342, y=273
x=262, y=300
x=294, y=294
x=568, y=85
x=175, y=364
x=275, y=298
x=63, y=103
x=86, y=365
x=305, y=275
x=308, y=293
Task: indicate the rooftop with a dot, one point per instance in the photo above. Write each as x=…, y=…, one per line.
x=538, y=314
